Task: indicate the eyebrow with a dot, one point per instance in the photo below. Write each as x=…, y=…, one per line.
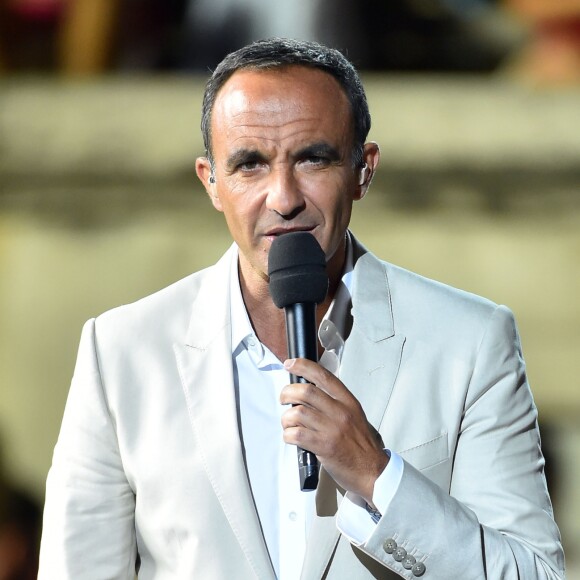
x=320, y=149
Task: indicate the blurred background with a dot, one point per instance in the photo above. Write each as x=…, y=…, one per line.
x=476, y=106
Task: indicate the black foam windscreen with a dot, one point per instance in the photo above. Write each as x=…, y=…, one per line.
x=297, y=270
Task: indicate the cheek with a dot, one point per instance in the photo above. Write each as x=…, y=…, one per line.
x=333, y=203
x=240, y=198
x=240, y=214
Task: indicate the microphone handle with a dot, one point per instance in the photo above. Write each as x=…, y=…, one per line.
x=302, y=337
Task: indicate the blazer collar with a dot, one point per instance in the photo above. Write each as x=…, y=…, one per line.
x=371, y=295
x=372, y=309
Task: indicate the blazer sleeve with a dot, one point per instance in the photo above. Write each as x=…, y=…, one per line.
x=88, y=529
x=496, y=521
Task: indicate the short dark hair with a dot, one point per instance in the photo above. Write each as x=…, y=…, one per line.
x=281, y=52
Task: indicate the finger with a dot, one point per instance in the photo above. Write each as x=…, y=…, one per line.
x=317, y=375
x=306, y=428
x=306, y=394
x=300, y=437
x=303, y=416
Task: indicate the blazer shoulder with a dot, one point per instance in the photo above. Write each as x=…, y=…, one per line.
x=409, y=291
x=167, y=312
x=415, y=287
x=428, y=308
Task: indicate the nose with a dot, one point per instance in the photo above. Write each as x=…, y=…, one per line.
x=284, y=195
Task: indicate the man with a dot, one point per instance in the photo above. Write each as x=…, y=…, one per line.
x=177, y=444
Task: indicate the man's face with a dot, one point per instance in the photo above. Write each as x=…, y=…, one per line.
x=282, y=145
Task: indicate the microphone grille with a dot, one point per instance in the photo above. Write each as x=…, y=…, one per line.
x=297, y=270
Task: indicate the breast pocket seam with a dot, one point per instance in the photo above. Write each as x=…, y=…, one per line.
x=417, y=452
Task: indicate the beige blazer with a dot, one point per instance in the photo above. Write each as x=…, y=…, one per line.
x=149, y=464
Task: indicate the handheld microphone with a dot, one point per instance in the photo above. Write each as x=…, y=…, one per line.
x=298, y=282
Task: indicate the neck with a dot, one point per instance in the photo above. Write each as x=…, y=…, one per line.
x=267, y=320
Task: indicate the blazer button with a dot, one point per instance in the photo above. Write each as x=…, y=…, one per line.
x=390, y=546
x=408, y=562
x=400, y=554
x=418, y=569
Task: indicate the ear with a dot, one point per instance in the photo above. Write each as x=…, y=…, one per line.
x=204, y=171
x=371, y=157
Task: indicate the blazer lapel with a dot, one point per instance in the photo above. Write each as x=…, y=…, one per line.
x=369, y=367
x=372, y=353
x=205, y=366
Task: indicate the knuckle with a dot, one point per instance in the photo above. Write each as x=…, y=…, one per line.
x=299, y=412
x=309, y=390
x=299, y=435
x=345, y=417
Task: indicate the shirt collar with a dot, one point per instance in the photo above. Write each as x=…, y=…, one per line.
x=242, y=332
x=337, y=322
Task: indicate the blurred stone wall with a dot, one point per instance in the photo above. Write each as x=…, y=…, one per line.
x=479, y=188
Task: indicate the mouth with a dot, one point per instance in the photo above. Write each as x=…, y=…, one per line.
x=277, y=232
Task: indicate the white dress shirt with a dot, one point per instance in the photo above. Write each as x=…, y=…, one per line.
x=284, y=510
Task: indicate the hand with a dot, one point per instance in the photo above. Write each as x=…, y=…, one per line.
x=329, y=421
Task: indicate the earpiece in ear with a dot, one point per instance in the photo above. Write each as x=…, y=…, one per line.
x=363, y=174
x=211, y=179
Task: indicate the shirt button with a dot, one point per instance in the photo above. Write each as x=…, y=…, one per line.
x=418, y=569
x=408, y=562
x=390, y=546
x=251, y=342
x=399, y=554
x=292, y=516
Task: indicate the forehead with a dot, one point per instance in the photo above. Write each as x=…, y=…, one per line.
x=281, y=98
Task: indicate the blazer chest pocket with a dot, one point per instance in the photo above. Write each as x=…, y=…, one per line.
x=427, y=454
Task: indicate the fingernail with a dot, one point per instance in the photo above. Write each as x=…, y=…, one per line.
x=289, y=363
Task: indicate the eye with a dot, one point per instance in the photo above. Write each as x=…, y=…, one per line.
x=248, y=166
